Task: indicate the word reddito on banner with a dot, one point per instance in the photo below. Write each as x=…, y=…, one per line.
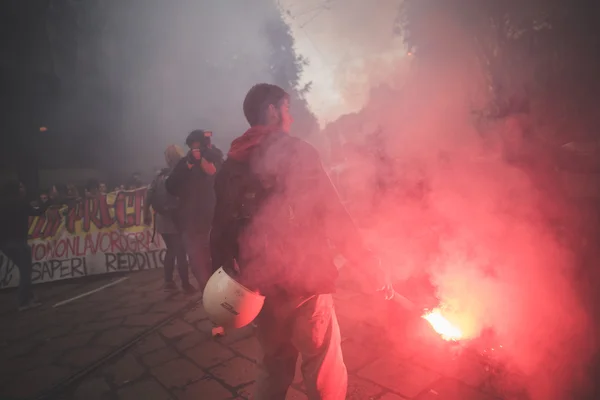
x=91, y=236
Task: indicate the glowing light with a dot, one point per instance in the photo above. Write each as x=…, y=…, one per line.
x=43, y=129
x=442, y=326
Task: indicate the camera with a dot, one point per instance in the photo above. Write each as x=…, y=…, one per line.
x=203, y=137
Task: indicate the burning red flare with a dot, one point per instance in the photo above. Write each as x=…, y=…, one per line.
x=442, y=325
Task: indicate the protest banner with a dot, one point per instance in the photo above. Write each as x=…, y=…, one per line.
x=89, y=236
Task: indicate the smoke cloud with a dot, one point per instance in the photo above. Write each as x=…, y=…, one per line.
x=439, y=198
x=343, y=40
x=145, y=75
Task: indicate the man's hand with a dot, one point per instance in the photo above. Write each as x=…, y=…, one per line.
x=379, y=277
x=193, y=157
x=208, y=167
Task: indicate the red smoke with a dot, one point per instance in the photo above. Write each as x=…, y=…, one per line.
x=440, y=199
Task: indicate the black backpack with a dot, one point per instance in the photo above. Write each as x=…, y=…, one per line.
x=242, y=193
x=162, y=201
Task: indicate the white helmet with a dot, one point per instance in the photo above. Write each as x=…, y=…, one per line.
x=228, y=303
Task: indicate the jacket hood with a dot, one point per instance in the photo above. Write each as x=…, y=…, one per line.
x=242, y=147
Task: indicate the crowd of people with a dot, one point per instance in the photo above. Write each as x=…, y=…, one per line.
x=270, y=216
x=60, y=193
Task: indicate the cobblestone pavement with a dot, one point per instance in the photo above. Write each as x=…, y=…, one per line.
x=180, y=360
x=40, y=348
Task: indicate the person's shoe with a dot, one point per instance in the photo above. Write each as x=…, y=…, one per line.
x=170, y=287
x=29, y=305
x=188, y=289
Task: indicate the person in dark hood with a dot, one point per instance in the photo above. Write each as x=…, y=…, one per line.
x=191, y=181
x=276, y=214
x=15, y=211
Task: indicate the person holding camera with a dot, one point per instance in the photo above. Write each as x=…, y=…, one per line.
x=192, y=182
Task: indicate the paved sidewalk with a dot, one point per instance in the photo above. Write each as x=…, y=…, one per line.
x=182, y=361
x=42, y=347
x=389, y=355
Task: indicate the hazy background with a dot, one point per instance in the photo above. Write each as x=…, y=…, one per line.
x=115, y=82
x=449, y=158
x=351, y=46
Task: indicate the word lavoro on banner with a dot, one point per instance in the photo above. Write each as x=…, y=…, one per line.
x=91, y=236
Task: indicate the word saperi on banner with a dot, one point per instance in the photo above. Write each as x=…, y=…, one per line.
x=90, y=236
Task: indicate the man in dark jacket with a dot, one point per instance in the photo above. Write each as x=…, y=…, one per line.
x=281, y=247
x=192, y=181
x=15, y=211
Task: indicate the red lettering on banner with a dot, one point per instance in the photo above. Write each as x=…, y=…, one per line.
x=73, y=244
x=61, y=248
x=46, y=225
x=101, y=242
x=38, y=224
x=120, y=208
x=140, y=196
x=36, y=250
x=105, y=218
x=94, y=211
x=74, y=214
x=130, y=242
x=129, y=217
x=115, y=243
x=53, y=217
x=50, y=249
x=54, y=245
x=90, y=211
x=140, y=240
x=126, y=200
x=90, y=246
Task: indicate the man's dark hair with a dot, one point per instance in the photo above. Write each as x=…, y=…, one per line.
x=198, y=135
x=258, y=100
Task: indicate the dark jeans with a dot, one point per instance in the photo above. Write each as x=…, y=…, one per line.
x=197, y=247
x=20, y=254
x=175, y=254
